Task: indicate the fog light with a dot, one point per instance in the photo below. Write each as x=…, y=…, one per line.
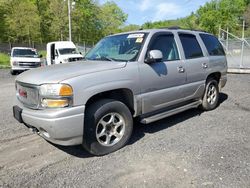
x=55, y=103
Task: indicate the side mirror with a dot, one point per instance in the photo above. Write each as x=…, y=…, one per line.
x=154, y=56
x=40, y=55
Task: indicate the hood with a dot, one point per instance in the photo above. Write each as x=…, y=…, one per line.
x=60, y=72
x=66, y=56
x=26, y=59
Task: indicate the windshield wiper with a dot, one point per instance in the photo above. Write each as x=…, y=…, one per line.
x=103, y=58
x=106, y=58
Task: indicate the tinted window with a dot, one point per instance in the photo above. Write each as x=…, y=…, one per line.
x=24, y=53
x=212, y=44
x=166, y=44
x=191, y=46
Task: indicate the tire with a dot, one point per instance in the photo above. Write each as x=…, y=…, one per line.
x=211, y=96
x=108, y=127
x=12, y=72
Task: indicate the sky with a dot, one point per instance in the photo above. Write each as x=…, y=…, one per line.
x=141, y=11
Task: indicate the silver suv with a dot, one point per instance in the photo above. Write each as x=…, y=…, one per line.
x=148, y=74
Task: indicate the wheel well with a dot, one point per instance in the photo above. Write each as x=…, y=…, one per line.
x=123, y=95
x=215, y=75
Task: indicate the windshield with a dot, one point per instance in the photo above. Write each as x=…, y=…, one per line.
x=64, y=51
x=24, y=53
x=125, y=47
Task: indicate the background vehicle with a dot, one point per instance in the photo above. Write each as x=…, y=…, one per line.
x=62, y=52
x=22, y=59
x=148, y=74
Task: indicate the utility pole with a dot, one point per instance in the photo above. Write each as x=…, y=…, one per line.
x=69, y=15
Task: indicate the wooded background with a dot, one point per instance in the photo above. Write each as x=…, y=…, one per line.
x=41, y=21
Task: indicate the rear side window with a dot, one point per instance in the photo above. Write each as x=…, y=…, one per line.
x=191, y=46
x=212, y=44
x=166, y=44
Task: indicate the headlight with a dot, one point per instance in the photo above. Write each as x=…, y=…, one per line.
x=56, y=90
x=66, y=60
x=56, y=95
x=15, y=63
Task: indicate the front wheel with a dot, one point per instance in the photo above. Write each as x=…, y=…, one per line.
x=108, y=127
x=12, y=72
x=211, y=96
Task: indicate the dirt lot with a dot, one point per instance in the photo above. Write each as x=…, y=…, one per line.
x=192, y=149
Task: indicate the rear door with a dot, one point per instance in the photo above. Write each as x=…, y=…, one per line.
x=161, y=82
x=196, y=63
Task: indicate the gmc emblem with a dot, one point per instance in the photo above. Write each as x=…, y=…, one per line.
x=22, y=93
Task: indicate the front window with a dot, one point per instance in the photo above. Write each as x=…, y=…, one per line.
x=64, y=51
x=124, y=47
x=24, y=53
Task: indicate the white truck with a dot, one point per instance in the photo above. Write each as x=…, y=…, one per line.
x=22, y=58
x=62, y=52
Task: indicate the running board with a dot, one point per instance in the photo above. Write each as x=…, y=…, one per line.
x=168, y=113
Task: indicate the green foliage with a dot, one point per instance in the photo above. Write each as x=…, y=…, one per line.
x=4, y=59
x=211, y=16
x=130, y=27
x=224, y=13
x=44, y=20
x=43, y=53
x=112, y=17
x=22, y=20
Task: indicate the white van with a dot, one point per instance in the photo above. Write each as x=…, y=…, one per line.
x=62, y=52
x=22, y=58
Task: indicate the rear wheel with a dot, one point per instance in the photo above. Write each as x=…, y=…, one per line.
x=211, y=96
x=108, y=126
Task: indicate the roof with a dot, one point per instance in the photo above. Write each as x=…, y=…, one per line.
x=24, y=48
x=173, y=29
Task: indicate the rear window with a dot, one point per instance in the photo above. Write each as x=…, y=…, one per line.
x=191, y=46
x=213, y=45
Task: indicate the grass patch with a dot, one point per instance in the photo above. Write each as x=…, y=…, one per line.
x=43, y=53
x=4, y=59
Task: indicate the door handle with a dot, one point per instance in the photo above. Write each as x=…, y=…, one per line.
x=181, y=69
x=204, y=65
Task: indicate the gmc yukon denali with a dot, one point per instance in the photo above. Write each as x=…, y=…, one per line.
x=147, y=74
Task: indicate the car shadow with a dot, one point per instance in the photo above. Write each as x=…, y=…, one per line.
x=76, y=151
x=140, y=129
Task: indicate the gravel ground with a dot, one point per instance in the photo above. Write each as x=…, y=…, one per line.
x=191, y=149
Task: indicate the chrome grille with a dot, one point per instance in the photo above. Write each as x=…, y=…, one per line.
x=29, y=64
x=27, y=95
x=75, y=59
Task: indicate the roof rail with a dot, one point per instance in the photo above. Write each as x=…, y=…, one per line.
x=178, y=27
x=172, y=27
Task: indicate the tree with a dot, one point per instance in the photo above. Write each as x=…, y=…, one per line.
x=58, y=26
x=22, y=20
x=130, y=27
x=46, y=19
x=247, y=15
x=111, y=17
x=85, y=22
x=224, y=13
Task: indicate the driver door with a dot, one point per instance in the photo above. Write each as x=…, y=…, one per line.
x=161, y=82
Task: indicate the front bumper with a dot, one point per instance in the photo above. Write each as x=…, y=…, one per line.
x=23, y=68
x=60, y=126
